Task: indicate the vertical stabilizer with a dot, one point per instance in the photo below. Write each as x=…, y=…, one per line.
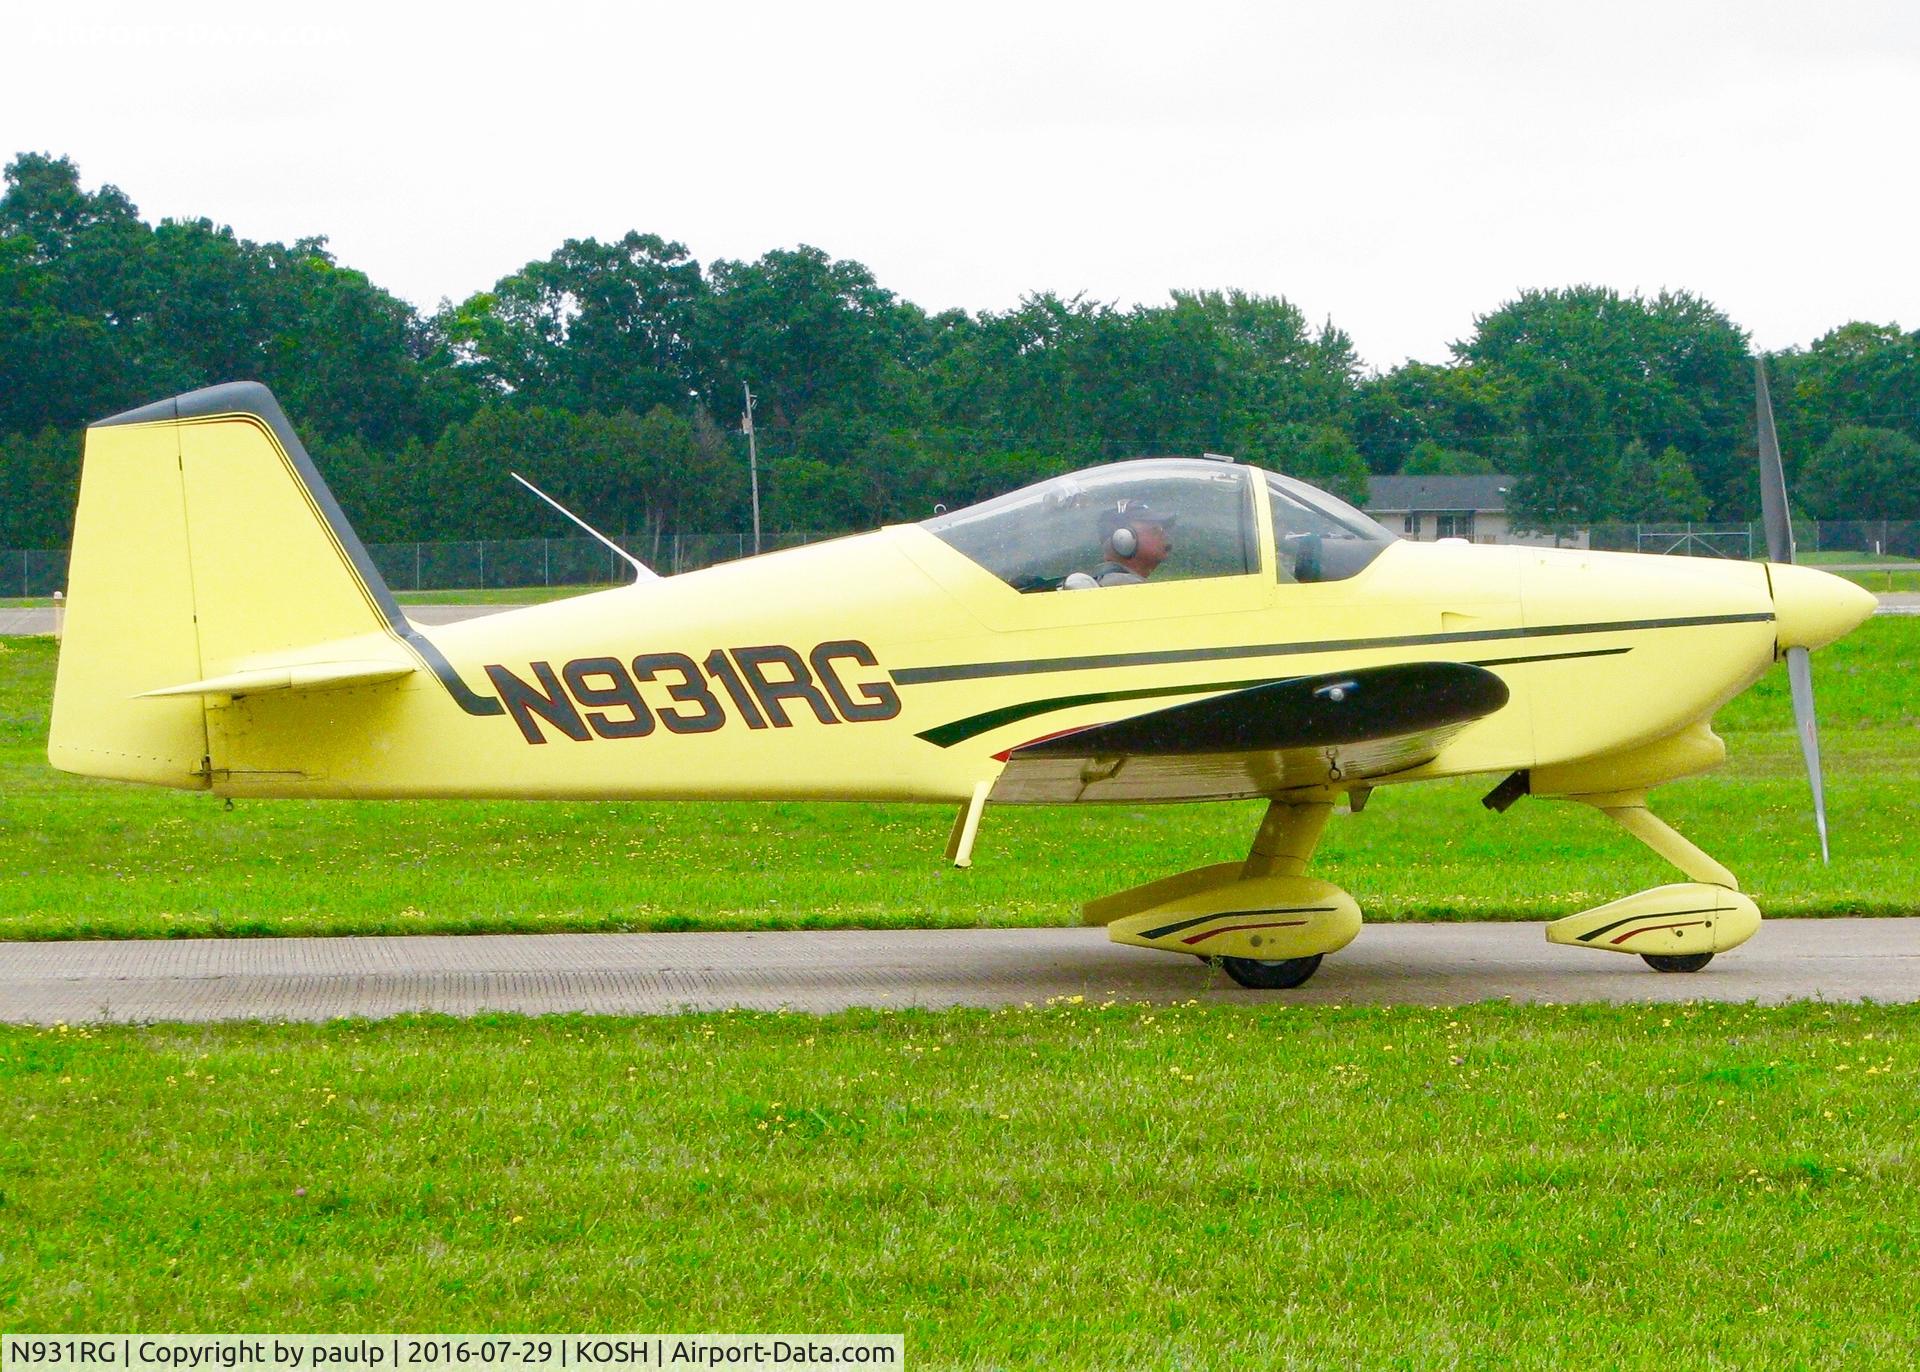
x=205, y=544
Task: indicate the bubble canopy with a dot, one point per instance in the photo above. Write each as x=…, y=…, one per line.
x=1039, y=537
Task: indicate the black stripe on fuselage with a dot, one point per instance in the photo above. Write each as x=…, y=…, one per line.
x=960, y=730
x=974, y=671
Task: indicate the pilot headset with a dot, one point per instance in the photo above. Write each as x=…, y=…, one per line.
x=1125, y=538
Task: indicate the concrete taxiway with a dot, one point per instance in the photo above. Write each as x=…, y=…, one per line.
x=326, y=978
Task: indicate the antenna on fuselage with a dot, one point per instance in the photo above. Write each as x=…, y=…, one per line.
x=641, y=571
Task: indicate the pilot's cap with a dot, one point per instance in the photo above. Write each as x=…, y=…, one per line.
x=1134, y=511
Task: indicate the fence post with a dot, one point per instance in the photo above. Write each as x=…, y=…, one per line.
x=546, y=562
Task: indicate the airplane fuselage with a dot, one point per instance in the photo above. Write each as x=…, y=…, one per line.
x=888, y=666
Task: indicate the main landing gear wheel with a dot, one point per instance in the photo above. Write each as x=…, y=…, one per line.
x=1677, y=962
x=1272, y=976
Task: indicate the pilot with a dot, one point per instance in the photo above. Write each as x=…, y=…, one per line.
x=1135, y=538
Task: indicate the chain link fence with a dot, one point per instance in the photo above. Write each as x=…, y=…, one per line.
x=478, y=564
x=499, y=563
x=1850, y=540
x=32, y=571
x=494, y=564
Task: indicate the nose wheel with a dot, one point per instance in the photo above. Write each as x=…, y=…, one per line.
x=1677, y=962
x=1283, y=975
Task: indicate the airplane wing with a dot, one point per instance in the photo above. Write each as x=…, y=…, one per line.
x=1260, y=740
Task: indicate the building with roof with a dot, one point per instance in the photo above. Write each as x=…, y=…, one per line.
x=1425, y=508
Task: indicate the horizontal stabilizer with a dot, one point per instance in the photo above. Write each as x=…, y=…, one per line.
x=305, y=676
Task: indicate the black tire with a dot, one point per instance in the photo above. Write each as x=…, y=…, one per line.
x=1271, y=976
x=1677, y=962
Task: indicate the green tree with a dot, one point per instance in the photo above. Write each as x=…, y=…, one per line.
x=100, y=312
x=1318, y=454
x=1566, y=460
x=1633, y=495
x=1863, y=473
x=1856, y=375
x=1679, y=490
x=804, y=494
x=1460, y=408
x=40, y=474
x=1669, y=371
x=1015, y=379
x=1654, y=490
x=73, y=288
x=1428, y=458
x=469, y=472
x=596, y=326
x=673, y=477
x=801, y=328
x=342, y=355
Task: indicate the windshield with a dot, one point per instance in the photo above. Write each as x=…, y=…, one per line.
x=1317, y=536
x=1164, y=519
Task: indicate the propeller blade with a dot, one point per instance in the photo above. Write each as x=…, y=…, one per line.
x=1773, y=512
x=1773, y=480
x=1800, y=678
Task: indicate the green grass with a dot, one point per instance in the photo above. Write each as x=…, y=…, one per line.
x=96, y=859
x=1885, y=582
x=1491, y=1186
x=499, y=595
x=471, y=595
x=1881, y=580
x=1844, y=556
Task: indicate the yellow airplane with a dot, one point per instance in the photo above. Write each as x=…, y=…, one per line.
x=1156, y=630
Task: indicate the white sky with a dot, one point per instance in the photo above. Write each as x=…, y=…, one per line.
x=1399, y=166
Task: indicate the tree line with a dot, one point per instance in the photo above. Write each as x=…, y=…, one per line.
x=611, y=373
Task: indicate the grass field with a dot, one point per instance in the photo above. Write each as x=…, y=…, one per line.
x=1492, y=1186
x=502, y=595
x=95, y=859
x=1882, y=579
x=1884, y=582
x=472, y=595
x=1079, y=1185
x=1842, y=557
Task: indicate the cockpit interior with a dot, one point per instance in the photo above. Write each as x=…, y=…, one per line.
x=1057, y=534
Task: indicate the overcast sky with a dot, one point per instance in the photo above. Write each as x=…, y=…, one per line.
x=1398, y=167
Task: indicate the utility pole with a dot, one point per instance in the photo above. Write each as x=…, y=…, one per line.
x=753, y=463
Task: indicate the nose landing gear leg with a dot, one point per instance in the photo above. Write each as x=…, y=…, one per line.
x=1676, y=928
